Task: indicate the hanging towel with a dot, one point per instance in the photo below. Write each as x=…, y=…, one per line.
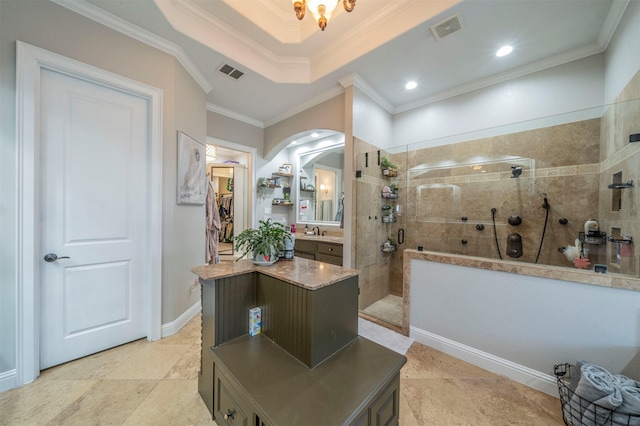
x=213, y=226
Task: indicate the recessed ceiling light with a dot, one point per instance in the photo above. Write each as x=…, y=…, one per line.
x=315, y=134
x=504, y=51
x=411, y=85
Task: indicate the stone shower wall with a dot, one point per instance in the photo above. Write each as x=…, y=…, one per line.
x=451, y=183
x=619, y=155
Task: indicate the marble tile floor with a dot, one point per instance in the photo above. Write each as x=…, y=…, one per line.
x=388, y=309
x=145, y=383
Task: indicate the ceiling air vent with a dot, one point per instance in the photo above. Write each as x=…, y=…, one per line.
x=230, y=71
x=446, y=27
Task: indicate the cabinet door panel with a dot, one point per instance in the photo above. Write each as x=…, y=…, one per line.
x=306, y=255
x=384, y=411
x=331, y=249
x=228, y=410
x=334, y=260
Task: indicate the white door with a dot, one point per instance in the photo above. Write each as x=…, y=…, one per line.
x=93, y=199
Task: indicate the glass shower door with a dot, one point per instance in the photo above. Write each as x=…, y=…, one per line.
x=380, y=225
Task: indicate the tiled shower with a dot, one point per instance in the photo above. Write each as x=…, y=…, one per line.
x=450, y=194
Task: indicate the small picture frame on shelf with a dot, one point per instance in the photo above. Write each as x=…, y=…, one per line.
x=286, y=169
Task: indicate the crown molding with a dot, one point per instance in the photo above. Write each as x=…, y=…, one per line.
x=553, y=61
x=270, y=19
x=234, y=115
x=194, y=22
x=616, y=12
x=357, y=81
x=109, y=20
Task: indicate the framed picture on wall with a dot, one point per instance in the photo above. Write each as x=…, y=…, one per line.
x=286, y=168
x=192, y=181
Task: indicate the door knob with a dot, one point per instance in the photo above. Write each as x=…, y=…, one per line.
x=228, y=415
x=52, y=257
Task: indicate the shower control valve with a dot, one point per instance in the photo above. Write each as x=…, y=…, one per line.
x=479, y=227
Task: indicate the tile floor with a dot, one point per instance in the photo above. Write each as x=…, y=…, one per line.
x=388, y=309
x=144, y=383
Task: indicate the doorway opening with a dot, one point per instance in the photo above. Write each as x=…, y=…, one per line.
x=228, y=171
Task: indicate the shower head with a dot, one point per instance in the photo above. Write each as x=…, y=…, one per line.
x=516, y=171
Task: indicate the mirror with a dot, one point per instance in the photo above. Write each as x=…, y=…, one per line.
x=320, y=192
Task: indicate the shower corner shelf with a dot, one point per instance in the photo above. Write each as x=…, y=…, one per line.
x=389, y=219
x=627, y=184
x=389, y=195
x=595, y=238
x=621, y=240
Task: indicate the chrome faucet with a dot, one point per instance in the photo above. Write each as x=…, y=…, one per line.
x=314, y=230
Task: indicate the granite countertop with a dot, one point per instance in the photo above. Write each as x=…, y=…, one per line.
x=304, y=273
x=612, y=280
x=320, y=238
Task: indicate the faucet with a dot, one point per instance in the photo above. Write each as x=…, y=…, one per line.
x=324, y=233
x=314, y=230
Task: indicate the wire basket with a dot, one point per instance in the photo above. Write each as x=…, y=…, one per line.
x=578, y=411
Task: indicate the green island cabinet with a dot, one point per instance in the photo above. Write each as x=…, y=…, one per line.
x=308, y=366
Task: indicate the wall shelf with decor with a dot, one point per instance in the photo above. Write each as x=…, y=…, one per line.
x=286, y=175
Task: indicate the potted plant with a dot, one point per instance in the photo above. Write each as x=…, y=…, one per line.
x=388, y=168
x=262, y=186
x=263, y=244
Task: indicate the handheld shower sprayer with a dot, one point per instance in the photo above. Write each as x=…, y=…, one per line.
x=547, y=207
x=545, y=203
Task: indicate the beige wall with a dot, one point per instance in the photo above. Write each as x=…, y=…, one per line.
x=230, y=130
x=54, y=28
x=327, y=115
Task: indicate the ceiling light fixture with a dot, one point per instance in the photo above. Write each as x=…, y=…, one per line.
x=411, y=85
x=504, y=51
x=321, y=9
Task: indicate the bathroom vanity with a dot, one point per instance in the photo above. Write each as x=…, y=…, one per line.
x=322, y=248
x=308, y=366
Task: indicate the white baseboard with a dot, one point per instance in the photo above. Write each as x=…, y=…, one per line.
x=8, y=380
x=519, y=373
x=173, y=327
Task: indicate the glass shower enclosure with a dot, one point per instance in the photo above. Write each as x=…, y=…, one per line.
x=380, y=227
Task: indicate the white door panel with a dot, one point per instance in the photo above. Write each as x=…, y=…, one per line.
x=94, y=196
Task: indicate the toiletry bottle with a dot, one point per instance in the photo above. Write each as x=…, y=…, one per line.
x=590, y=225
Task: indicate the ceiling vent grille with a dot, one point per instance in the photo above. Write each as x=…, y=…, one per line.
x=230, y=71
x=447, y=27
